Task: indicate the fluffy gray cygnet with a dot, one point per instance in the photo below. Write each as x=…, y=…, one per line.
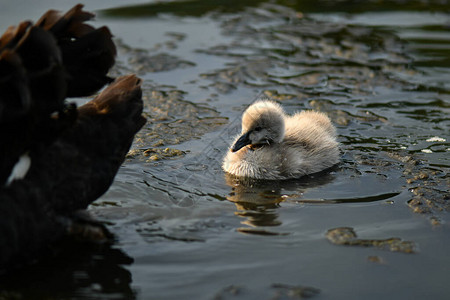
x=273, y=145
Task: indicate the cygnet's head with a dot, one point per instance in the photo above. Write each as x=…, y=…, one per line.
x=262, y=123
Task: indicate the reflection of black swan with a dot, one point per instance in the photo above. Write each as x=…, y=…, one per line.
x=58, y=276
x=75, y=153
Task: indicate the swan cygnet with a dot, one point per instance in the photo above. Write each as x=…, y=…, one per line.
x=275, y=146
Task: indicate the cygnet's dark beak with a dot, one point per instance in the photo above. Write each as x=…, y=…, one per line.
x=243, y=141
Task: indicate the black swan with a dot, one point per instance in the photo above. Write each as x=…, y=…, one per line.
x=75, y=153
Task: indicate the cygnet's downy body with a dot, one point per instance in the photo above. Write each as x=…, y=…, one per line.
x=273, y=145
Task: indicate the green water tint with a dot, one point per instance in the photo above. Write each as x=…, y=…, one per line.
x=199, y=7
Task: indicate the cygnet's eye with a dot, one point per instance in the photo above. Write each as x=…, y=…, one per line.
x=257, y=129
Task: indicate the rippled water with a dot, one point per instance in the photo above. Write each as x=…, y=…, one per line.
x=184, y=230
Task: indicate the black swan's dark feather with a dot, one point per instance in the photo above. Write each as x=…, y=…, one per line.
x=70, y=173
x=32, y=86
x=75, y=153
x=40, y=65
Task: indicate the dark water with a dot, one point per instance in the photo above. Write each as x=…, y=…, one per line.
x=379, y=69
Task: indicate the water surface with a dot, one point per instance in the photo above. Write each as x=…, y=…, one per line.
x=184, y=230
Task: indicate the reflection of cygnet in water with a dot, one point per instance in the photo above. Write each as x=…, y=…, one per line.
x=249, y=192
x=257, y=200
x=253, y=192
x=274, y=145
